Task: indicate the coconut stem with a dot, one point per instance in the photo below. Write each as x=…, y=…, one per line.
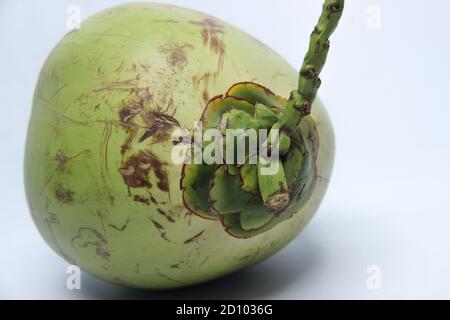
x=300, y=101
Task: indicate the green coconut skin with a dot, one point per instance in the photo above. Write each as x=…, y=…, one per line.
x=101, y=186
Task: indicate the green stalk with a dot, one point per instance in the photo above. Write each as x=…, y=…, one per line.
x=301, y=100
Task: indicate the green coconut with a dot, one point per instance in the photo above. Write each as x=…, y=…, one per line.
x=101, y=183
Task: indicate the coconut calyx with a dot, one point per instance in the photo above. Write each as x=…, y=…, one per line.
x=247, y=200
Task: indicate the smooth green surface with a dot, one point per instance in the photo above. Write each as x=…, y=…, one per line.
x=99, y=179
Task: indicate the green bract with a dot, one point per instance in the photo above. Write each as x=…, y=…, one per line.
x=100, y=181
x=243, y=211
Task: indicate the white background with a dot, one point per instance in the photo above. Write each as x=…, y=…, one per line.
x=386, y=87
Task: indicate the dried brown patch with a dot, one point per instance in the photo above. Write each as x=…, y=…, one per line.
x=165, y=215
x=141, y=199
x=176, y=55
x=64, y=195
x=88, y=237
x=160, y=229
x=212, y=32
x=194, y=238
x=166, y=21
x=159, y=126
x=204, y=82
x=121, y=228
x=135, y=171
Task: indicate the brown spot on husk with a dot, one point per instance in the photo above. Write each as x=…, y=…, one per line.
x=165, y=215
x=153, y=200
x=128, y=112
x=212, y=34
x=122, y=228
x=135, y=171
x=166, y=21
x=62, y=160
x=160, y=229
x=64, y=195
x=205, y=80
x=159, y=126
x=142, y=199
x=102, y=253
x=87, y=237
x=141, y=124
x=205, y=96
x=194, y=238
x=176, y=55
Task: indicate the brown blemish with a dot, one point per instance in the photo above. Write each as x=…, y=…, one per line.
x=122, y=228
x=212, y=34
x=120, y=86
x=141, y=199
x=64, y=195
x=128, y=112
x=166, y=21
x=126, y=145
x=102, y=219
x=205, y=96
x=205, y=79
x=203, y=262
x=52, y=219
x=138, y=266
x=132, y=109
x=102, y=253
x=104, y=170
x=176, y=265
x=153, y=200
x=168, y=278
x=120, y=67
x=165, y=215
x=118, y=280
x=141, y=124
x=157, y=225
x=87, y=237
x=159, y=126
x=63, y=159
x=145, y=67
x=176, y=55
x=245, y=257
x=160, y=229
x=135, y=171
x=194, y=238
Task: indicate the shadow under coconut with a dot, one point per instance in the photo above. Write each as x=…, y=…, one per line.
x=265, y=280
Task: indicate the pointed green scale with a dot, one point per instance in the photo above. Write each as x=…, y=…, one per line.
x=249, y=177
x=264, y=116
x=270, y=184
x=215, y=109
x=255, y=93
x=225, y=184
x=232, y=169
x=285, y=143
x=255, y=215
x=308, y=128
x=303, y=185
x=195, y=184
x=237, y=119
x=293, y=165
